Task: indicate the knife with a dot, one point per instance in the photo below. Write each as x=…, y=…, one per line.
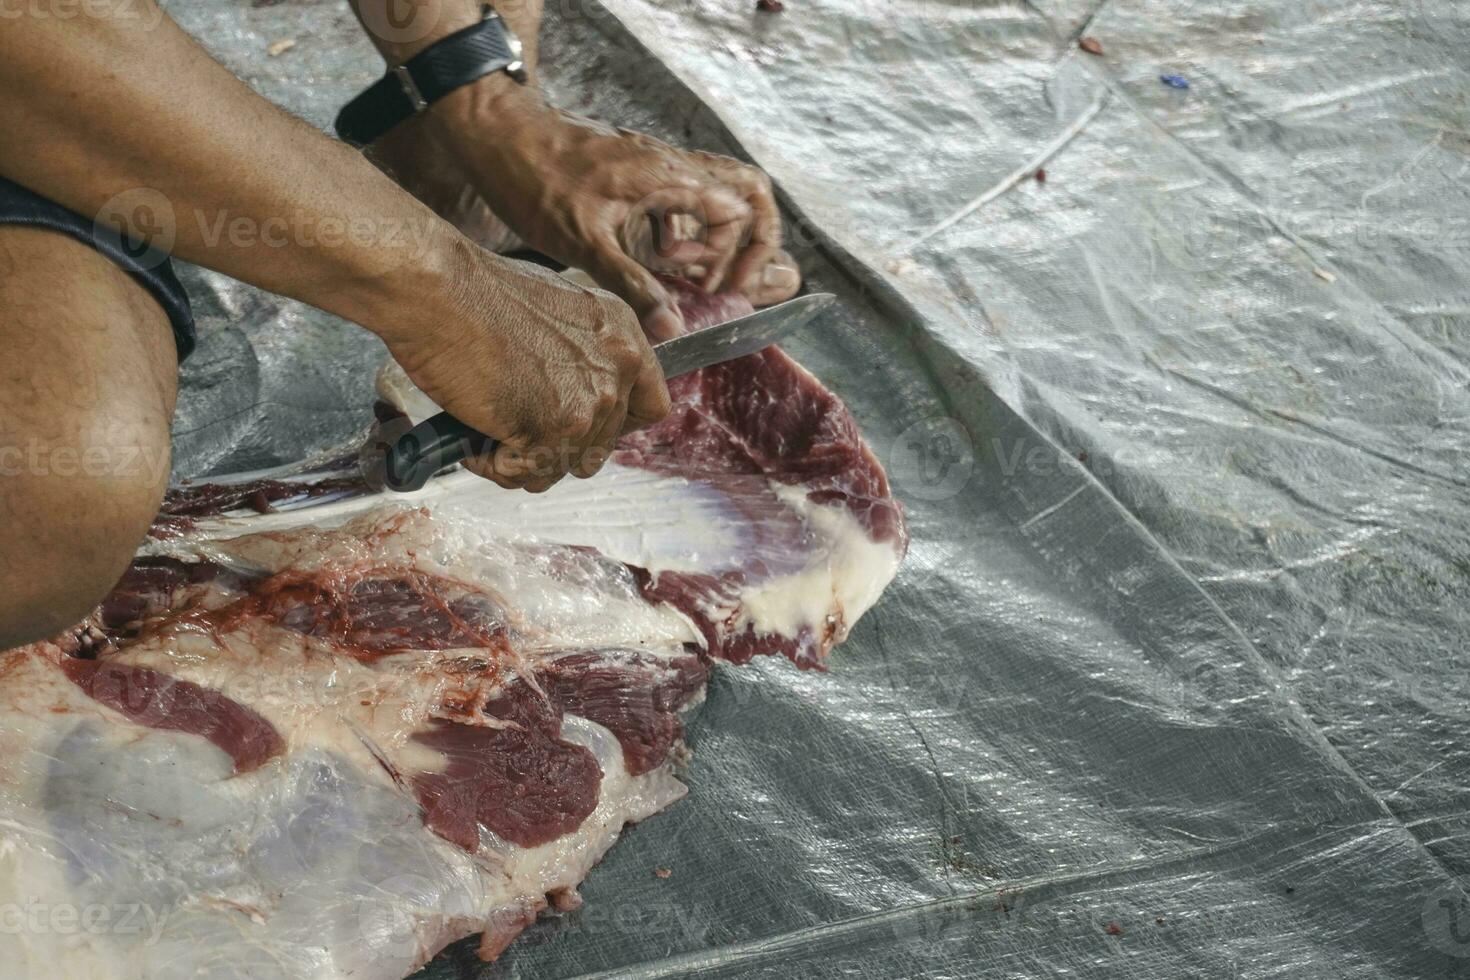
x=444, y=440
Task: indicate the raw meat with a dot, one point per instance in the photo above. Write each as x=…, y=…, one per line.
x=324, y=742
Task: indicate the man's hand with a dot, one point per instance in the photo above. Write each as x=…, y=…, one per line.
x=614, y=203
x=553, y=371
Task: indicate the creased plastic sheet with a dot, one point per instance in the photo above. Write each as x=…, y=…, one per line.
x=1174, y=682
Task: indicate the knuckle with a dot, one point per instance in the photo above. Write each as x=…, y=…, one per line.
x=759, y=179
x=635, y=353
x=600, y=313
x=592, y=462
x=614, y=317
x=626, y=350
x=486, y=470
x=574, y=424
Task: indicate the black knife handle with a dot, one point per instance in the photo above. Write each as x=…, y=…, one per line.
x=428, y=448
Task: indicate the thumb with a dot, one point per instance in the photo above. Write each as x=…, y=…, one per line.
x=616, y=272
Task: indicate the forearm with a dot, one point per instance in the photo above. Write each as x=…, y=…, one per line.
x=132, y=104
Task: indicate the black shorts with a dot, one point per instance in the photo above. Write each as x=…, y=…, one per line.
x=151, y=268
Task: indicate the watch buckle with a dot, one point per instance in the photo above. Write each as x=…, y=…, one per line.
x=410, y=88
x=517, y=68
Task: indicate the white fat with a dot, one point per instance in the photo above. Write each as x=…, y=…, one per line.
x=667, y=523
x=843, y=580
x=660, y=523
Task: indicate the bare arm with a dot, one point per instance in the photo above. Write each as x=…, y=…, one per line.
x=130, y=105
x=127, y=102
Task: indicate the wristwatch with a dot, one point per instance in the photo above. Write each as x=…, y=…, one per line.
x=410, y=88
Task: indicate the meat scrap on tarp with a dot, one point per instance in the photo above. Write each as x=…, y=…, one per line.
x=328, y=742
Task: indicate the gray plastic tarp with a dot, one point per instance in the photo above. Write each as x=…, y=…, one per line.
x=1174, y=682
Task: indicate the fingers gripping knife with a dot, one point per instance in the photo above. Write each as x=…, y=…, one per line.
x=444, y=440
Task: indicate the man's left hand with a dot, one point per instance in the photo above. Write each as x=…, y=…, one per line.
x=619, y=205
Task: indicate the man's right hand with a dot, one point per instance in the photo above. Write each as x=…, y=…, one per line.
x=553, y=371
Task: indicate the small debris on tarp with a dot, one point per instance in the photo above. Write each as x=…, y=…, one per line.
x=1091, y=45
x=1041, y=175
x=770, y=6
x=1174, y=81
x=661, y=872
x=1114, y=929
x=277, y=48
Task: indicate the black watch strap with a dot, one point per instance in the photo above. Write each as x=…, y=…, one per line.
x=442, y=67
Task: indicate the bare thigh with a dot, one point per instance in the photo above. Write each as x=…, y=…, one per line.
x=88, y=377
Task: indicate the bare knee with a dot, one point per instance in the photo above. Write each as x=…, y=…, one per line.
x=74, y=518
x=86, y=395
